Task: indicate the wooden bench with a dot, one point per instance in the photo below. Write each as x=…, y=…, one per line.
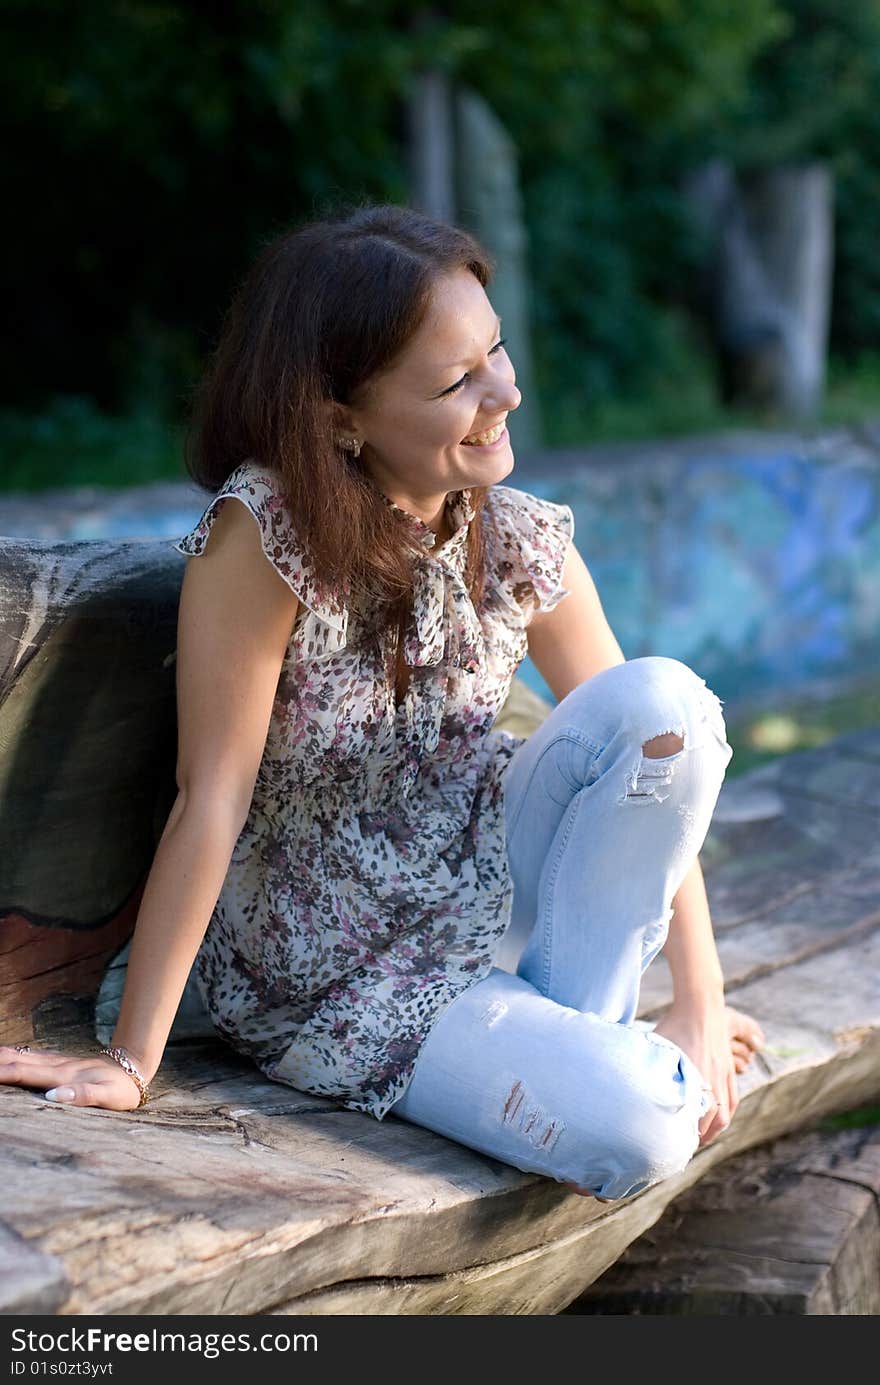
x=232, y=1194
x=789, y=1228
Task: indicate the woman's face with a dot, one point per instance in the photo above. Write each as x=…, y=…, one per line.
x=453, y=380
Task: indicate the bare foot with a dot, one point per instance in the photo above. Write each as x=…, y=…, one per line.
x=745, y=1034
x=746, y=1037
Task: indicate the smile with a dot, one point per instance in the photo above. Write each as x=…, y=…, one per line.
x=485, y=439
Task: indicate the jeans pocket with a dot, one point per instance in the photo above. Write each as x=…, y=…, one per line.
x=564, y=766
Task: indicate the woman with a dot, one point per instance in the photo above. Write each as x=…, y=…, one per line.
x=353, y=842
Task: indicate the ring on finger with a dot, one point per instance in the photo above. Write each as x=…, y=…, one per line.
x=22, y=1048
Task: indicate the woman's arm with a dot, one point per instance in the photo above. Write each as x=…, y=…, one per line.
x=236, y=614
x=697, y=979
x=185, y=880
x=697, y=1019
x=573, y=641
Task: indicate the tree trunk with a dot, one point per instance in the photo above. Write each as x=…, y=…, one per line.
x=771, y=259
x=489, y=204
x=430, y=145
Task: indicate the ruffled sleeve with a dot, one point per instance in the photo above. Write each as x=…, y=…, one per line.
x=530, y=538
x=322, y=622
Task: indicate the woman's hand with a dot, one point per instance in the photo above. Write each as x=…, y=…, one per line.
x=721, y=1042
x=93, y=1081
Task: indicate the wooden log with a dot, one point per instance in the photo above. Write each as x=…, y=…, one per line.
x=232, y=1194
x=87, y=751
x=790, y=1228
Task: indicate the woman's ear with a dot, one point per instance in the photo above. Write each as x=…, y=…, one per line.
x=340, y=420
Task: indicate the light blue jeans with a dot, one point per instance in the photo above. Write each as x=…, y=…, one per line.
x=539, y=1064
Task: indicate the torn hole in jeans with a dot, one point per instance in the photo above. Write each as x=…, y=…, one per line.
x=648, y=781
x=523, y=1113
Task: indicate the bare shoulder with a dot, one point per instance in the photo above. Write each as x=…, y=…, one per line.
x=574, y=640
x=235, y=620
x=233, y=553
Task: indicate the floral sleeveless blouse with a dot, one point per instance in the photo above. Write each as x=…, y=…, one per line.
x=369, y=886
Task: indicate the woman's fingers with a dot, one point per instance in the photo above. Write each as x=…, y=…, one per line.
x=725, y=1095
x=710, y=1123
x=710, y=1126
x=70, y=1081
x=14, y=1061
x=732, y=1094
x=40, y=1069
x=108, y=1095
x=89, y=1086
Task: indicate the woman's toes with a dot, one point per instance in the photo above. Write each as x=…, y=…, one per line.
x=581, y=1192
x=744, y=1029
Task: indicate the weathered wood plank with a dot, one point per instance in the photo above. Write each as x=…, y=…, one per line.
x=229, y=1193
x=840, y=911
x=236, y=1195
x=790, y=1228
x=87, y=746
x=30, y=1280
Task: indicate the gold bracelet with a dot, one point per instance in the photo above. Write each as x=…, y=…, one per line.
x=120, y=1056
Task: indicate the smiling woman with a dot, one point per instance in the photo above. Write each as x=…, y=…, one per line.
x=354, y=840
x=419, y=445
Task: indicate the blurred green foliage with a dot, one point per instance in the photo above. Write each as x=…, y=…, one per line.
x=852, y=1120
x=154, y=145
x=801, y=720
x=71, y=442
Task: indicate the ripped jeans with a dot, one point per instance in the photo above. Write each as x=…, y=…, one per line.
x=539, y=1063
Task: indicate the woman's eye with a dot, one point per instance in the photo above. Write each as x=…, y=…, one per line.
x=464, y=379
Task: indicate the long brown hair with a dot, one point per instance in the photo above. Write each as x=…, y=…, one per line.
x=324, y=308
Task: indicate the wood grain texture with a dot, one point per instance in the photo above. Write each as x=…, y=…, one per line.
x=232, y=1194
x=87, y=749
x=791, y=1228
x=229, y=1193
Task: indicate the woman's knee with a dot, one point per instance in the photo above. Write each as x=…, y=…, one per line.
x=657, y=702
x=654, y=1135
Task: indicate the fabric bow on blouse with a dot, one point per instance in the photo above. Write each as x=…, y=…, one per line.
x=444, y=628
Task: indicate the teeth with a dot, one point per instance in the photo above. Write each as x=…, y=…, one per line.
x=482, y=439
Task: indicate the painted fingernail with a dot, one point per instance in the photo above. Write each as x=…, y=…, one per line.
x=60, y=1094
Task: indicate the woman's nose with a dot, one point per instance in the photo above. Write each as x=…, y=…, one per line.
x=504, y=395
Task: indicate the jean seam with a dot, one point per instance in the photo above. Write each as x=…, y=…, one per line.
x=546, y=928
x=574, y=736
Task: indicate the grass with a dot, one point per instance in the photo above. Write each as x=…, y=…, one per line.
x=851, y=1120
x=806, y=720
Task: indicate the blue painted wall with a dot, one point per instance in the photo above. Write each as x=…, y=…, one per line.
x=760, y=569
